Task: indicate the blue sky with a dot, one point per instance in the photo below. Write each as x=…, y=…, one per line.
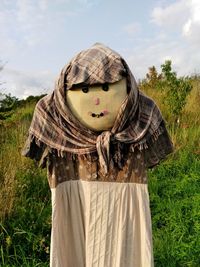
x=38, y=37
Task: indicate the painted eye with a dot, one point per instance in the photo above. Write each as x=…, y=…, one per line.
x=105, y=87
x=85, y=89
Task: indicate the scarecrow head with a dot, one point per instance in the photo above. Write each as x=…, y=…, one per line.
x=97, y=106
x=96, y=86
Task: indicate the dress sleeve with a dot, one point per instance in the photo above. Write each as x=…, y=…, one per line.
x=158, y=149
x=36, y=150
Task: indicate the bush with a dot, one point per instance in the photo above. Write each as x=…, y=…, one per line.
x=177, y=90
x=174, y=90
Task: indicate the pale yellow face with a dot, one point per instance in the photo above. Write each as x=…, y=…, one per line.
x=97, y=106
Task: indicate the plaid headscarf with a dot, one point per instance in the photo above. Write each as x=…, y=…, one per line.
x=138, y=123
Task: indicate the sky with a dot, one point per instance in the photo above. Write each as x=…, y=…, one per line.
x=39, y=37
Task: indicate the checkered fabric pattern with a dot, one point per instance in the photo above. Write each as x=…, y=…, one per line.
x=139, y=123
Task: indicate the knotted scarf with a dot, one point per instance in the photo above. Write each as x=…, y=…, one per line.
x=138, y=123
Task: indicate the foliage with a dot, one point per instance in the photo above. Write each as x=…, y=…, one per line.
x=25, y=211
x=177, y=89
x=26, y=237
x=7, y=102
x=174, y=188
x=153, y=79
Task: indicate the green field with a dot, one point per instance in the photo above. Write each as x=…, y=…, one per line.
x=174, y=187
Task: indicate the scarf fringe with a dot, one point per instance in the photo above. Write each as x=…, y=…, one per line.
x=143, y=144
x=91, y=157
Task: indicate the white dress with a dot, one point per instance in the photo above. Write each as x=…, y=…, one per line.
x=100, y=222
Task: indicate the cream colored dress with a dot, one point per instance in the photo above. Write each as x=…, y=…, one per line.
x=100, y=221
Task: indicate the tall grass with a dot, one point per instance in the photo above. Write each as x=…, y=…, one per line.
x=174, y=187
x=12, y=134
x=25, y=232
x=24, y=199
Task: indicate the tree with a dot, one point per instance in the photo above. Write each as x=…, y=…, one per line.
x=7, y=102
x=152, y=80
x=153, y=77
x=177, y=89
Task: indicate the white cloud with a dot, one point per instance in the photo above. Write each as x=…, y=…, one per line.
x=172, y=16
x=179, y=23
x=43, y=4
x=182, y=16
x=30, y=17
x=27, y=26
x=8, y=44
x=21, y=23
x=88, y=3
x=132, y=29
x=23, y=84
x=28, y=22
x=154, y=52
x=191, y=29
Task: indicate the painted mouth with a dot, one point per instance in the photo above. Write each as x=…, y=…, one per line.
x=98, y=115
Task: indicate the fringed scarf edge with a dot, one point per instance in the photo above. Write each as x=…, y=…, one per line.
x=91, y=156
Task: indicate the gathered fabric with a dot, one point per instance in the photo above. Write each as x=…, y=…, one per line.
x=139, y=121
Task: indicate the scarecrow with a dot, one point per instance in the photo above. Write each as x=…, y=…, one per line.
x=97, y=134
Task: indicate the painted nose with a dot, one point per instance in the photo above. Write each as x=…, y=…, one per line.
x=96, y=101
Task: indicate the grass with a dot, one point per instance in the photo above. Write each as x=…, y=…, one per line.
x=174, y=188
x=26, y=236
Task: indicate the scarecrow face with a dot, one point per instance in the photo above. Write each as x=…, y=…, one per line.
x=97, y=106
